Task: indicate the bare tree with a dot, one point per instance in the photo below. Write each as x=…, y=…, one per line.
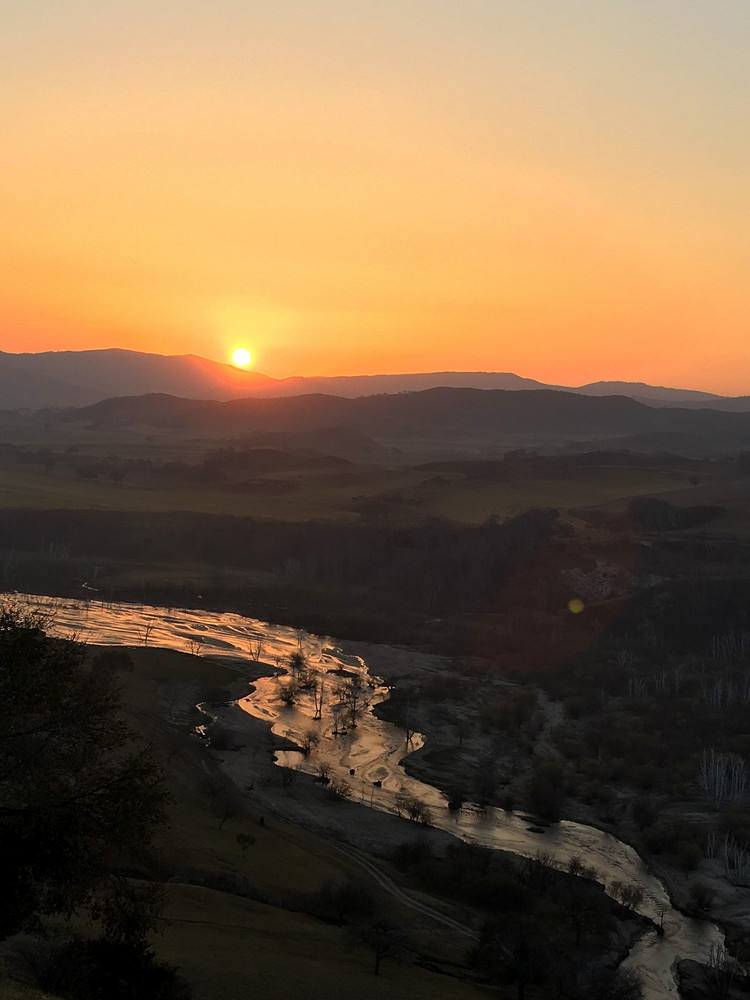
x=310, y=739
x=318, y=695
x=195, y=645
x=723, y=776
x=405, y=717
x=576, y=866
x=412, y=808
x=355, y=696
x=734, y=856
x=383, y=938
x=723, y=972
x=631, y=896
x=288, y=693
x=244, y=841
x=297, y=662
x=337, y=713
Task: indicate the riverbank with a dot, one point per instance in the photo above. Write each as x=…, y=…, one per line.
x=374, y=750
x=441, y=762
x=447, y=760
x=378, y=832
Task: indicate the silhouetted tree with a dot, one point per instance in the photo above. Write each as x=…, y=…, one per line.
x=244, y=842
x=383, y=938
x=310, y=739
x=75, y=788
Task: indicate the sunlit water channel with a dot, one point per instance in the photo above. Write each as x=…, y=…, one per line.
x=373, y=750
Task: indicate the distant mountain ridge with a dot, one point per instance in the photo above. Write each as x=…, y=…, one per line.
x=465, y=420
x=55, y=379
x=653, y=394
x=79, y=378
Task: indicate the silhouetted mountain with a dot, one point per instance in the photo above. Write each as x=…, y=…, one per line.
x=372, y=385
x=653, y=394
x=79, y=378
x=468, y=416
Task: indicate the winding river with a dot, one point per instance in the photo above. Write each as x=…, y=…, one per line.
x=373, y=750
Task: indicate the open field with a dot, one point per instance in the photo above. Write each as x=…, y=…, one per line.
x=397, y=495
x=472, y=501
x=731, y=497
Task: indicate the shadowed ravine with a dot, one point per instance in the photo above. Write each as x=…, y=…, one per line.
x=373, y=751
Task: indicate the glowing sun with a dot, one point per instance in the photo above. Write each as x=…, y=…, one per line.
x=241, y=357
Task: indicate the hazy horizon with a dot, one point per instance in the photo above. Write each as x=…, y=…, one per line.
x=387, y=374
x=542, y=188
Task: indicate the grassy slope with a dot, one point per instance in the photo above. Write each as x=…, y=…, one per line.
x=230, y=948
x=227, y=946
x=165, y=684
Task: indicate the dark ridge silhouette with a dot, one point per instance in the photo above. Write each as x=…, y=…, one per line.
x=80, y=378
x=449, y=414
x=663, y=395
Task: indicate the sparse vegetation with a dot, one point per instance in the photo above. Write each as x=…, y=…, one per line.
x=641, y=707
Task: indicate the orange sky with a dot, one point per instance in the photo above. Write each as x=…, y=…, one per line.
x=558, y=189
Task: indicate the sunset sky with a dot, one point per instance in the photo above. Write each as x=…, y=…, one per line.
x=555, y=187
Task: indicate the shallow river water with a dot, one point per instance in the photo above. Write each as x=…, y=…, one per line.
x=373, y=751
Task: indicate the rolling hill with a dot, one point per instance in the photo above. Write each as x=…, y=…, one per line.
x=79, y=378
x=469, y=417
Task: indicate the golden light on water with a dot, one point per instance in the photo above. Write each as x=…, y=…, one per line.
x=241, y=357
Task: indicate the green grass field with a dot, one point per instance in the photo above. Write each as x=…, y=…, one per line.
x=400, y=495
x=472, y=501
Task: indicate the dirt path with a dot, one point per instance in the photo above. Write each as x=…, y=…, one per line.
x=388, y=885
